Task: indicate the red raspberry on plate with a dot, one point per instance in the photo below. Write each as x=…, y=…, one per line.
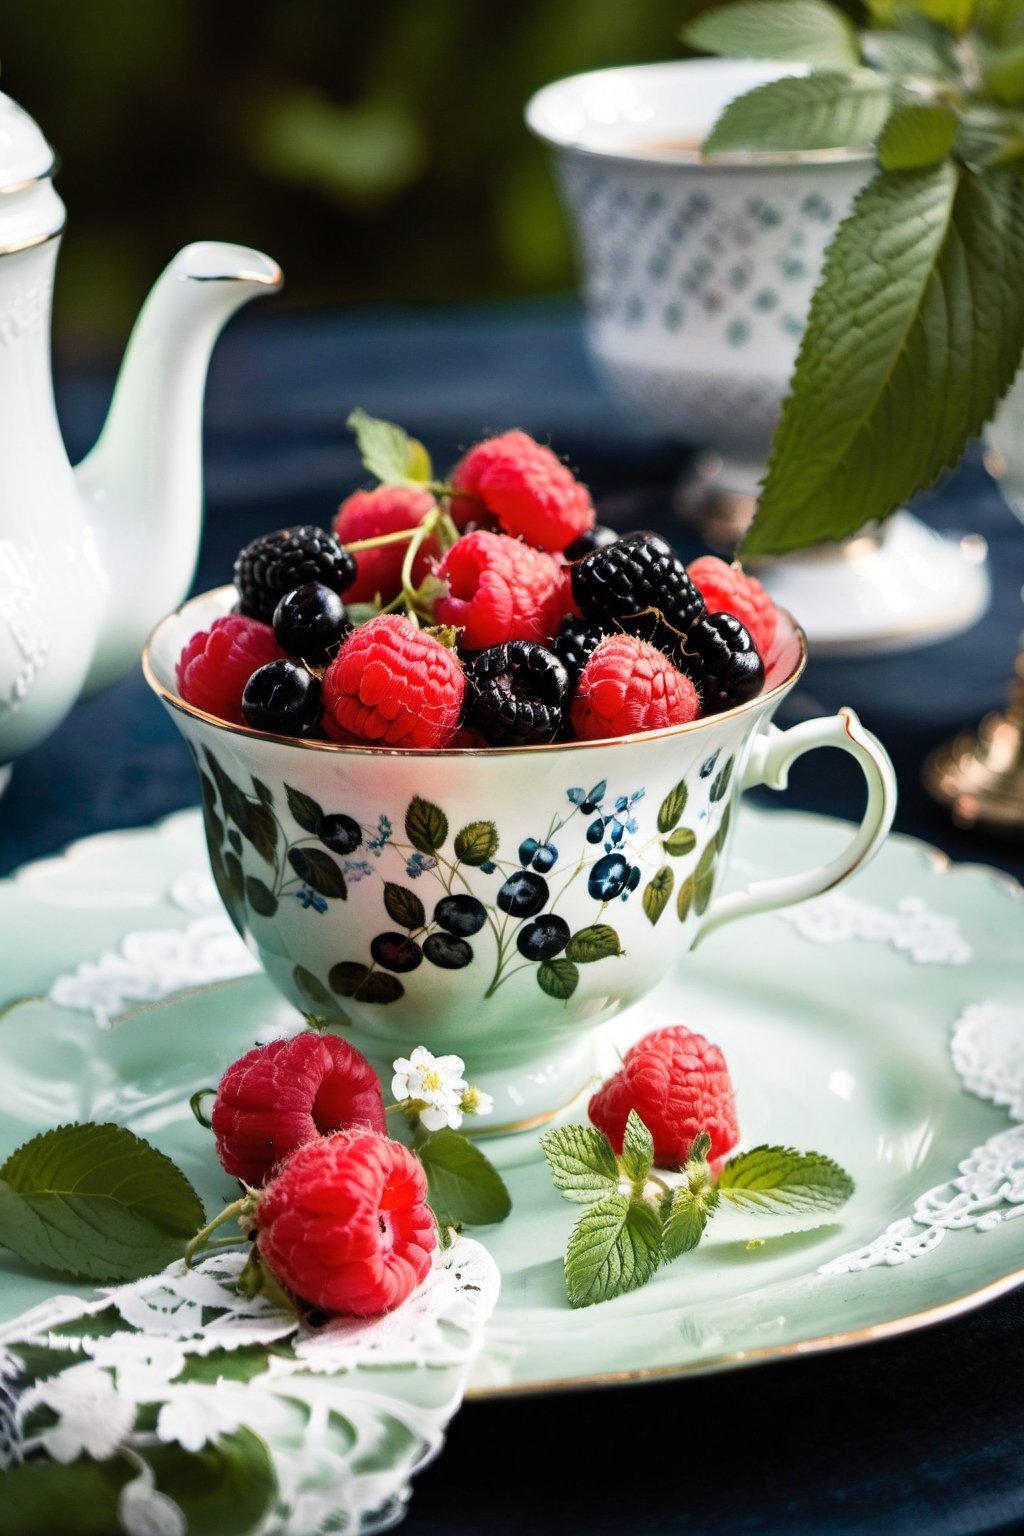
x=727, y=589
x=216, y=664
x=498, y=590
x=386, y=509
x=678, y=1083
x=526, y=487
x=344, y=1223
x=394, y=686
x=626, y=686
x=280, y=1095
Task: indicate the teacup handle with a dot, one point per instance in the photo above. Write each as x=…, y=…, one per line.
x=772, y=753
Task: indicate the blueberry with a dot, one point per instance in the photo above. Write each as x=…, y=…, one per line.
x=608, y=877
x=310, y=622
x=527, y=848
x=339, y=833
x=544, y=938
x=460, y=915
x=595, y=831
x=396, y=951
x=523, y=894
x=447, y=952
x=545, y=858
x=282, y=697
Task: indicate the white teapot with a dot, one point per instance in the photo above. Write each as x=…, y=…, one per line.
x=91, y=558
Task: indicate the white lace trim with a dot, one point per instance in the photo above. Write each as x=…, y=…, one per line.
x=987, y=1048
x=296, y=1403
x=930, y=938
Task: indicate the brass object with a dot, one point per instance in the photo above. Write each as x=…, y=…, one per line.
x=980, y=775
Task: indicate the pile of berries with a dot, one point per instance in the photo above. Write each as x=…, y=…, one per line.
x=490, y=610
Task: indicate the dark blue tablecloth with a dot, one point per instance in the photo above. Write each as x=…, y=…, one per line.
x=920, y=1434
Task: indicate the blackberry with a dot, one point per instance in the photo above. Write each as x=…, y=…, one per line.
x=574, y=645
x=722, y=662
x=310, y=623
x=597, y=537
x=279, y=562
x=282, y=697
x=639, y=586
x=517, y=693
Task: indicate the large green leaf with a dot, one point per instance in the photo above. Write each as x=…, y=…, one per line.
x=583, y=1165
x=807, y=30
x=96, y=1201
x=918, y=133
x=462, y=1186
x=822, y=111
x=780, y=1179
x=614, y=1247
x=915, y=332
x=657, y=892
x=426, y=825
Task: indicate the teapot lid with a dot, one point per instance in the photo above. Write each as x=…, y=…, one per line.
x=25, y=156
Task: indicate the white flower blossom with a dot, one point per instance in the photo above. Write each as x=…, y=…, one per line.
x=475, y=1102
x=434, y=1084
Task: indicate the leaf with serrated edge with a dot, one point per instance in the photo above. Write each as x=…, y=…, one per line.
x=384, y=447
x=463, y=1187
x=657, y=893
x=594, y=943
x=826, y=111
x=583, y=1166
x=782, y=1179
x=426, y=825
x=324, y=874
x=914, y=334
x=403, y=906
x=96, y=1201
x=614, y=1247
x=685, y=1221
x=476, y=843
x=810, y=31
x=918, y=133
x=637, y=1149
x=558, y=978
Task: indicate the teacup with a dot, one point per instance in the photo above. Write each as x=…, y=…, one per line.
x=496, y=904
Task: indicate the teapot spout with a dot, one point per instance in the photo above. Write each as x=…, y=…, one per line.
x=142, y=484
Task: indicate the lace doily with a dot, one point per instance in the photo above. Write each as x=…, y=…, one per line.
x=987, y=1048
x=117, y=1376
x=929, y=938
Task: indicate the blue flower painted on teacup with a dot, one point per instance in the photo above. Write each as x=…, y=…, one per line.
x=381, y=837
x=310, y=899
x=357, y=869
x=418, y=864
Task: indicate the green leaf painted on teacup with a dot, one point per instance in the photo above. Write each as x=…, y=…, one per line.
x=672, y=807
x=404, y=906
x=463, y=1187
x=477, y=842
x=558, y=978
x=781, y=1179
x=314, y=991
x=235, y=841
x=96, y=1201
x=721, y=836
x=426, y=825
x=684, y=898
x=303, y=807
x=583, y=1165
x=682, y=841
x=614, y=1247
x=704, y=879
x=261, y=830
x=808, y=31
x=319, y=871
x=264, y=793
x=260, y=897
x=657, y=892
x=721, y=782
x=350, y=979
x=594, y=943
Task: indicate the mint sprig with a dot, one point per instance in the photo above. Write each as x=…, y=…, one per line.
x=388, y=452
x=636, y=1221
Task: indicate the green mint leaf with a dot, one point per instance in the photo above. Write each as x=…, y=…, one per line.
x=476, y=843
x=685, y=1216
x=780, y=1179
x=657, y=893
x=821, y=111
x=922, y=53
x=463, y=1188
x=558, y=978
x=614, y=1247
x=388, y=451
x=637, y=1150
x=594, y=943
x=1004, y=76
x=807, y=30
x=96, y=1201
x=915, y=333
x=426, y=825
x=583, y=1166
x=918, y=133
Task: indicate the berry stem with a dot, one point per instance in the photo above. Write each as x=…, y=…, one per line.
x=398, y=536
x=229, y=1213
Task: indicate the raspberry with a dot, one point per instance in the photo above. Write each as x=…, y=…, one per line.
x=720, y=658
x=728, y=589
x=499, y=589
x=639, y=586
x=394, y=686
x=517, y=694
x=678, y=1083
x=216, y=664
x=279, y=562
x=344, y=1223
x=387, y=509
x=527, y=488
x=626, y=686
x=278, y=1096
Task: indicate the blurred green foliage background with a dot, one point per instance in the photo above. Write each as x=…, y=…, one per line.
x=376, y=150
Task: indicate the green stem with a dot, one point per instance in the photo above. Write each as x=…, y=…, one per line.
x=399, y=536
x=229, y=1213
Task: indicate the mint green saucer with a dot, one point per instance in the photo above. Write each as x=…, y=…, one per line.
x=883, y=1025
